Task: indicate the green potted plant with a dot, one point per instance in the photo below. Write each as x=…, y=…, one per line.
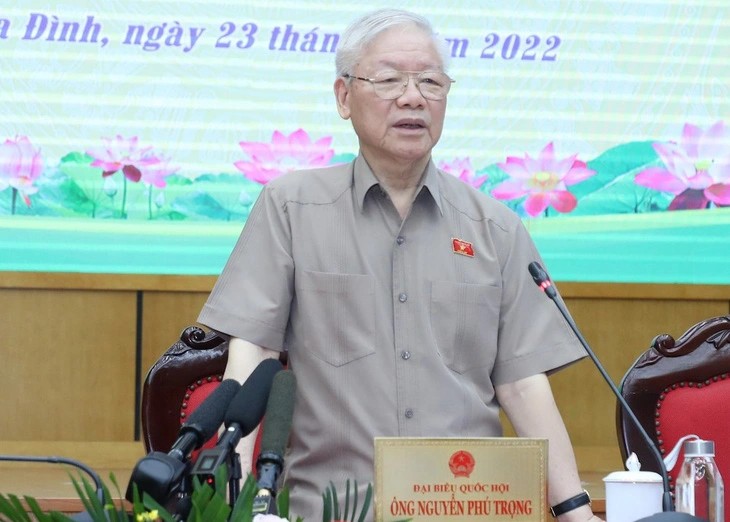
x=208, y=504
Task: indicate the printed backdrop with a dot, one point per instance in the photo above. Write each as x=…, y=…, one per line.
x=136, y=135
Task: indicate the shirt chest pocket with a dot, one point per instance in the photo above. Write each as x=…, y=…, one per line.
x=336, y=315
x=465, y=323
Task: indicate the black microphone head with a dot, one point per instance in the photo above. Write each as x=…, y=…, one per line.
x=542, y=279
x=248, y=406
x=207, y=418
x=279, y=412
x=537, y=272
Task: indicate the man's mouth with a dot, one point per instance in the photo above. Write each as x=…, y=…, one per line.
x=410, y=124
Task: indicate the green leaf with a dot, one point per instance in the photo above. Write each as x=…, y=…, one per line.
x=347, y=499
x=121, y=510
x=55, y=516
x=137, y=505
x=13, y=508
x=216, y=509
x=221, y=480
x=195, y=514
x=35, y=508
x=162, y=199
x=327, y=506
x=354, y=503
x=612, y=190
x=86, y=187
x=615, y=162
x=282, y=503
x=243, y=507
x=201, y=204
x=202, y=495
x=366, y=503
x=151, y=504
x=335, y=502
x=219, y=196
x=92, y=506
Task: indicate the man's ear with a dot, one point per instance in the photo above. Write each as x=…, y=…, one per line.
x=342, y=95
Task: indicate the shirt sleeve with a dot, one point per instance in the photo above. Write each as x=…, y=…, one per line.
x=533, y=335
x=252, y=297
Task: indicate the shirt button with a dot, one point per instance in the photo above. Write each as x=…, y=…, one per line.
x=400, y=240
x=405, y=355
x=403, y=298
x=409, y=413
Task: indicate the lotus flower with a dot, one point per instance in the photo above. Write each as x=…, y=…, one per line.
x=696, y=170
x=136, y=163
x=462, y=169
x=544, y=180
x=154, y=173
x=123, y=154
x=284, y=154
x=20, y=166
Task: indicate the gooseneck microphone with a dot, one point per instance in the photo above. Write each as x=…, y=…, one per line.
x=542, y=279
x=242, y=416
x=163, y=475
x=61, y=460
x=274, y=438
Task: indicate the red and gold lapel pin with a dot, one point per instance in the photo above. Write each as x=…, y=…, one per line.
x=462, y=247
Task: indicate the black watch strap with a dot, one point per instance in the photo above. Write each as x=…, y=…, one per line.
x=581, y=499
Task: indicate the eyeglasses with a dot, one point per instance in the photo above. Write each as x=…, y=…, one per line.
x=389, y=85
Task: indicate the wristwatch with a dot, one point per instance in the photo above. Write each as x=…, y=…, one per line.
x=581, y=499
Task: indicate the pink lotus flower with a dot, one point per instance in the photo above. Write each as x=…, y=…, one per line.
x=284, y=154
x=123, y=154
x=462, y=169
x=20, y=165
x=544, y=180
x=155, y=173
x=696, y=170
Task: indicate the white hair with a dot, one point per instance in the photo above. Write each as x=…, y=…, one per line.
x=360, y=33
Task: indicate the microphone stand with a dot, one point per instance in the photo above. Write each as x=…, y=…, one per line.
x=234, y=482
x=61, y=460
x=224, y=456
x=541, y=278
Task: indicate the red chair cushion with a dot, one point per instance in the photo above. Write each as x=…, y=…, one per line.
x=692, y=408
x=194, y=397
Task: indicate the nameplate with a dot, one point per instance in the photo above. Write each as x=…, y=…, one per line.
x=449, y=479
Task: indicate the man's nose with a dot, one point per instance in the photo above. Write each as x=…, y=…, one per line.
x=411, y=92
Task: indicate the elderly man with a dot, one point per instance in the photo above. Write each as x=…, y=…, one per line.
x=401, y=294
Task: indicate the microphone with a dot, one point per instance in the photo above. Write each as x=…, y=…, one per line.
x=162, y=475
x=83, y=516
x=274, y=437
x=241, y=418
x=205, y=420
x=542, y=279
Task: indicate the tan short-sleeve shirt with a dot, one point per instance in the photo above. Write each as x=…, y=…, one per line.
x=393, y=327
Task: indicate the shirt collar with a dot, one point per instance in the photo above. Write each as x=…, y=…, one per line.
x=364, y=180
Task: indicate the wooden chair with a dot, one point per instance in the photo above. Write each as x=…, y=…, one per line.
x=178, y=382
x=677, y=388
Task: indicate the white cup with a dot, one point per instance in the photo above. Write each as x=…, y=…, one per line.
x=631, y=495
